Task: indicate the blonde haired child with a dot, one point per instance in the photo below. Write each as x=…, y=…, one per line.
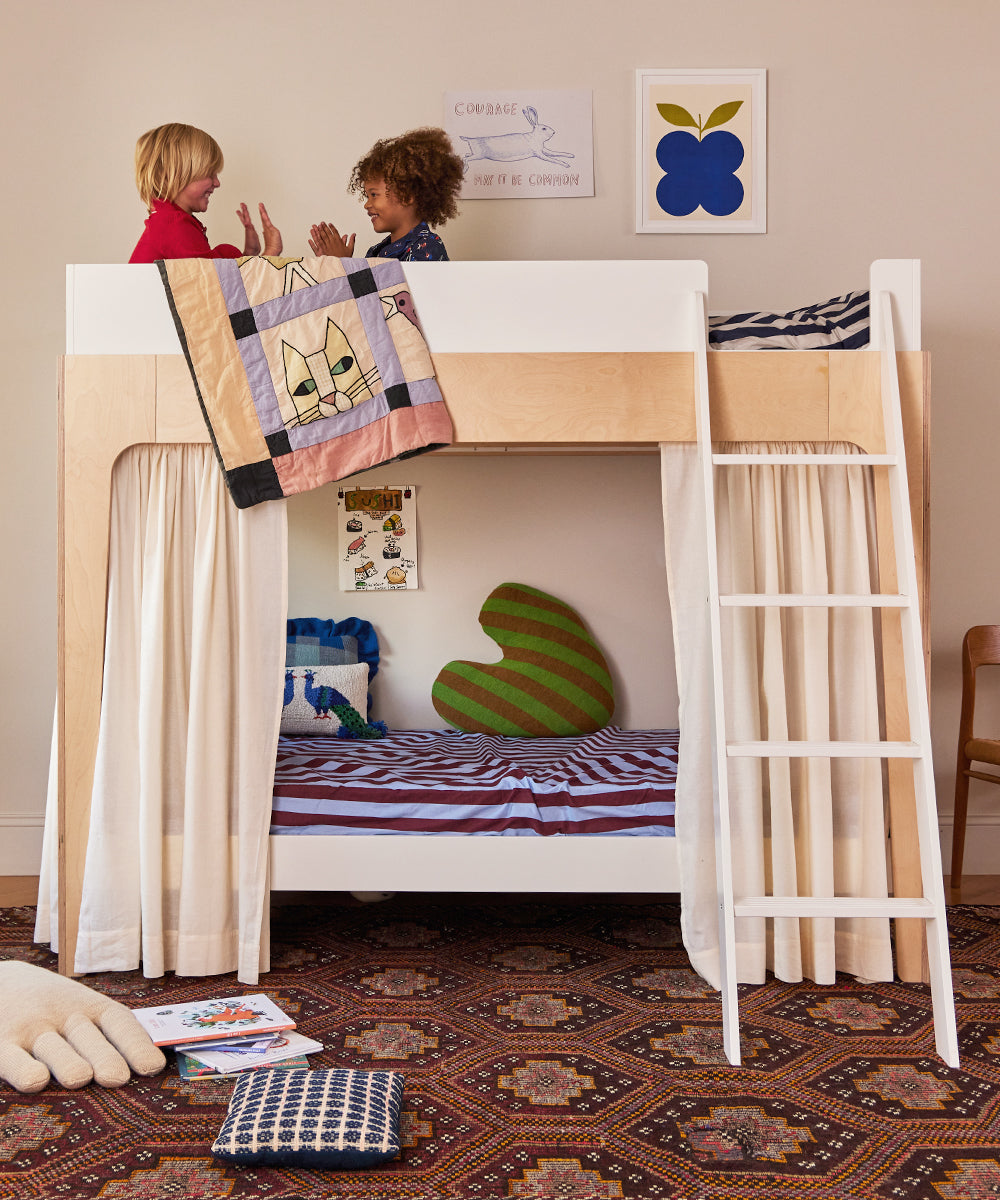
x=407, y=184
x=177, y=169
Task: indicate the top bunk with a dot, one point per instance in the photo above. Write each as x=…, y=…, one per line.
x=590, y=356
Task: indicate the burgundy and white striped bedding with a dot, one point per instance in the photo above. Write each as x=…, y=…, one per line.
x=445, y=782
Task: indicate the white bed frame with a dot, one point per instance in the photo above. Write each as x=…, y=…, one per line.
x=587, y=354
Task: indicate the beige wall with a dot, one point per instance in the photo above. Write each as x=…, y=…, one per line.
x=880, y=145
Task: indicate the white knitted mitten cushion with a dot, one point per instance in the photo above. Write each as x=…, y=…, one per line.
x=58, y=1027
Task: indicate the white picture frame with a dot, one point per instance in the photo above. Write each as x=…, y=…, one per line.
x=680, y=188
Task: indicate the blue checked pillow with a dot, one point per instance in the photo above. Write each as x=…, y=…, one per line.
x=306, y=651
x=310, y=641
x=302, y=1118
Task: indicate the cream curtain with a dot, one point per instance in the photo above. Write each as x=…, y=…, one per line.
x=806, y=826
x=176, y=868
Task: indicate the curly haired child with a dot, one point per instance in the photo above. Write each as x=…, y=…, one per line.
x=407, y=184
x=176, y=171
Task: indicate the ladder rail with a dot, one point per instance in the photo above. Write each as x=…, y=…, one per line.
x=930, y=905
x=918, y=710
x=720, y=768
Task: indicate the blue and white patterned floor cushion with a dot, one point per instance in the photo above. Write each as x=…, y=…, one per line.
x=303, y=1118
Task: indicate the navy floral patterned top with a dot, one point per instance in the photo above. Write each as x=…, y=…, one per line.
x=419, y=245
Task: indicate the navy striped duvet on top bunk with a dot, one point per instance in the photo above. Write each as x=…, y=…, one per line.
x=839, y=324
x=610, y=783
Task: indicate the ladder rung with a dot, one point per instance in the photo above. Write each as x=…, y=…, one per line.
x=778, y=749
x=834, y=906
x=809, y=600
x=806, y=460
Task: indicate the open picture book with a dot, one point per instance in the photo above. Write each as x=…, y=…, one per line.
x=211, y=1020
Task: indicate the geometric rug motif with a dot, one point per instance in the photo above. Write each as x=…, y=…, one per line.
x=554, y=1048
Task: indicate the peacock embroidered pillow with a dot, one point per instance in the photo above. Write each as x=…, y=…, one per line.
x=301, y=1118
x=320, y=699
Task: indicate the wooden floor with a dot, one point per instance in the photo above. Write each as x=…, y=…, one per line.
x=976, y=889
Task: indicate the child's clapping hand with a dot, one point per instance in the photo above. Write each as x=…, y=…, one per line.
x=326, y=239
x=251, y=239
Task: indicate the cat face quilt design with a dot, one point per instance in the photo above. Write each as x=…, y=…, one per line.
x=308, y=370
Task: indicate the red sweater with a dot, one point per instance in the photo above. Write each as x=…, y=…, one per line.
x=173, y=233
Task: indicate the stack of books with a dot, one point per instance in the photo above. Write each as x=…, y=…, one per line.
x=227, y=1036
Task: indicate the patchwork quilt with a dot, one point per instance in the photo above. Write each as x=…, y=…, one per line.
x=307, y=370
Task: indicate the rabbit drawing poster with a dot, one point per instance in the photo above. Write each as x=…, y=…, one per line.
x=523, y=143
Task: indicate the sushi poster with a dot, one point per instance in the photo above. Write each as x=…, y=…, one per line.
x=377, y=534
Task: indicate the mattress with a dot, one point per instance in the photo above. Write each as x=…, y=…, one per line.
x=611, y=783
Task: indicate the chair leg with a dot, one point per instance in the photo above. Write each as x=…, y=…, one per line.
x=958, y=820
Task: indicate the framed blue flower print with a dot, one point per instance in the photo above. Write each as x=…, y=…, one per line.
x=701, y=151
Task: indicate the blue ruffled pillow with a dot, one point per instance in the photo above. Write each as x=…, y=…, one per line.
x=303, y=1118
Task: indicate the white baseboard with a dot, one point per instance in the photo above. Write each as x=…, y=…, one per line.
x=982, y=844
x=21, y=845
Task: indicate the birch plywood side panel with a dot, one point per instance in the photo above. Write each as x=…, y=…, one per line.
x=856, y=416
x=106, y=404
x=608, y=398
x=178, y=413
x=567, y=398
x=915, y=398
x=596, y=399
x=764, y=396
x=856, y=400
x=914, y=394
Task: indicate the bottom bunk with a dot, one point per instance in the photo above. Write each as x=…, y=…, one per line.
x=591, y=813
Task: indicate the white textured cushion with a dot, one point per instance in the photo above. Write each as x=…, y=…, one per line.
x=313, y=693
x=303, y=1118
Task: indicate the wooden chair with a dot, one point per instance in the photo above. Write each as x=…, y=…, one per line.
x=980, y=647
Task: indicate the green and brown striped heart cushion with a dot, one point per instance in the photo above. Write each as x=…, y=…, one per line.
x=552, y=681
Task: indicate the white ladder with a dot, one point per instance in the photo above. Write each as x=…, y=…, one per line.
x=930, y=907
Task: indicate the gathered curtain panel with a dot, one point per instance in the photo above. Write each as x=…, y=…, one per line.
x=176, y=864
x=812, y=827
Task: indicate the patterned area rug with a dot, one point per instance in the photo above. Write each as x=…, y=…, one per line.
x=556, y=1050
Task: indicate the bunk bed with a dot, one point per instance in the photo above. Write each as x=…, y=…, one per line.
x=123, y=382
